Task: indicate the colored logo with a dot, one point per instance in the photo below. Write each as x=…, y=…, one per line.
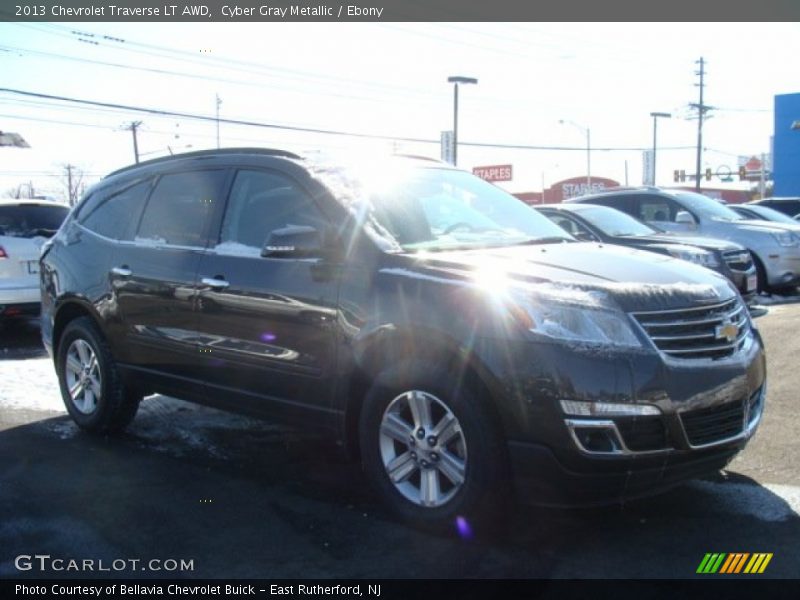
x=727, y=330
x=735, y=562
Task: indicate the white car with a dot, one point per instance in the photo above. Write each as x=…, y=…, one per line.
x=24, y=226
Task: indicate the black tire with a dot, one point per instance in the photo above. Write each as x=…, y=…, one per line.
x=478, y=506
x=761, y=276
x=115, y=406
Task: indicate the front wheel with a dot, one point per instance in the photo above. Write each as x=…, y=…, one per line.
x=434, y=453
x=91, y=386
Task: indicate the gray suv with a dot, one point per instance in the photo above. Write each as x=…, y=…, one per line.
x=775, y=248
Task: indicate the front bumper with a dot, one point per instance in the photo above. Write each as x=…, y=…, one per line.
x=709, y=410
x=540, y=478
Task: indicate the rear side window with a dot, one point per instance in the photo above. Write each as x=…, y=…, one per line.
x=115, y=215
x=787, y=207
x=261, y=202
x=180, y=208
x=655, y=208
x=31, y=220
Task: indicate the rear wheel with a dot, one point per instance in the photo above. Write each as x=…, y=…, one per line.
x=91, y=386
x=432, y=450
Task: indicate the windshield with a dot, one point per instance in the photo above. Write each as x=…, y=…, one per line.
x=31, y=220
x=438, y=209
x=707, y=207
x=770, y=214
x=613, y=222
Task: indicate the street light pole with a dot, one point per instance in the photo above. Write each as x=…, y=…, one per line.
x=588, y=133
x=589, y=159
x=455, y=80
x=655, y=116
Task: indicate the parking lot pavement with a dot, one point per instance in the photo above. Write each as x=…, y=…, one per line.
x=243, y=498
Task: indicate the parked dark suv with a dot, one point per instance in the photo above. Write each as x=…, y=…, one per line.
x=457, y=340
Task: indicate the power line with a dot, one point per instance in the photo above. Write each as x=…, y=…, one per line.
x=248, y=123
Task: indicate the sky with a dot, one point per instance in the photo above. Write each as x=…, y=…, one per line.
x=539, y=84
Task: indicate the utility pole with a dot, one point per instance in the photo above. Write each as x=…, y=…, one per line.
x=69, y=184
x=219, y=102
x=701, y=111
x=133, y=126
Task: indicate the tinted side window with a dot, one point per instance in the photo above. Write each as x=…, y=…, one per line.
x=791, y=207
x=655, y=209
x=261, y=202
x=622, y=203
x=572, y=226
x=115, y=215
x=180, y=207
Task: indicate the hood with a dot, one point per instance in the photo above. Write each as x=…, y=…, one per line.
x=637, y=279
x=771, y=225
x=761, y=226
x=701, y=242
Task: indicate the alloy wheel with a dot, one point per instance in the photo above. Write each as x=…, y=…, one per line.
x=423, y=448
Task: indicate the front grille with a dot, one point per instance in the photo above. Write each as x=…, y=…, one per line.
x=738, y=260
x=714, y=424
x=641, y=434
x=713, y=332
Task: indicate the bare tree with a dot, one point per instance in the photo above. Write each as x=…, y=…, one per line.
x=72, y=180
x=23, y=190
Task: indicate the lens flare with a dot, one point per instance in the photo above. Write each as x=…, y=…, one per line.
x=268, y=337
x=463, y=528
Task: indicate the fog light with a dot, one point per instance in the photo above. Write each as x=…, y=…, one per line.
x=596, y=440
x=607, y=409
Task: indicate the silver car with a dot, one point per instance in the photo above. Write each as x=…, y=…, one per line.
x=24, y=226
x=775, y=247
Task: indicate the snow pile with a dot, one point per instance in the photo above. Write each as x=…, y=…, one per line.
x=31, y=385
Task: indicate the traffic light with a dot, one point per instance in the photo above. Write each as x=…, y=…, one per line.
x=683, y=175
x=708, y=174
x=742, y=173
x=676, y=176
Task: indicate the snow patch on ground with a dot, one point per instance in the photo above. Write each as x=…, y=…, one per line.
x=30, y=385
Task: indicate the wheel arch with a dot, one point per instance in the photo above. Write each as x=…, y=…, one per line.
x=389, y=356
x=67, y=311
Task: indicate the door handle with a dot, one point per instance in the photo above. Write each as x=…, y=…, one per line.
x=214, y=283
x=122, y=271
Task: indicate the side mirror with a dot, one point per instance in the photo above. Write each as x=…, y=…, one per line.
x=685, y=218
x=294, y=241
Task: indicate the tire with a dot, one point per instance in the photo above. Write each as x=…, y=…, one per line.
x=761, y=276
x=459, y=484
x=100, y=402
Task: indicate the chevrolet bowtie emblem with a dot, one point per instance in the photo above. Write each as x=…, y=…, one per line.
x=727, y=331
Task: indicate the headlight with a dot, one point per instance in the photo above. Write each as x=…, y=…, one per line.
x=576, y=315
x=697, y=256
x=786, y=238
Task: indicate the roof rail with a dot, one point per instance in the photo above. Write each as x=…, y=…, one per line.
x=620, y=188
x=210, y=152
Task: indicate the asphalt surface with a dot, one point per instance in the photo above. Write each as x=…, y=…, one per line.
x=242, y=498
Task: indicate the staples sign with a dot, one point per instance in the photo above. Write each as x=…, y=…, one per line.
x=494, y=173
